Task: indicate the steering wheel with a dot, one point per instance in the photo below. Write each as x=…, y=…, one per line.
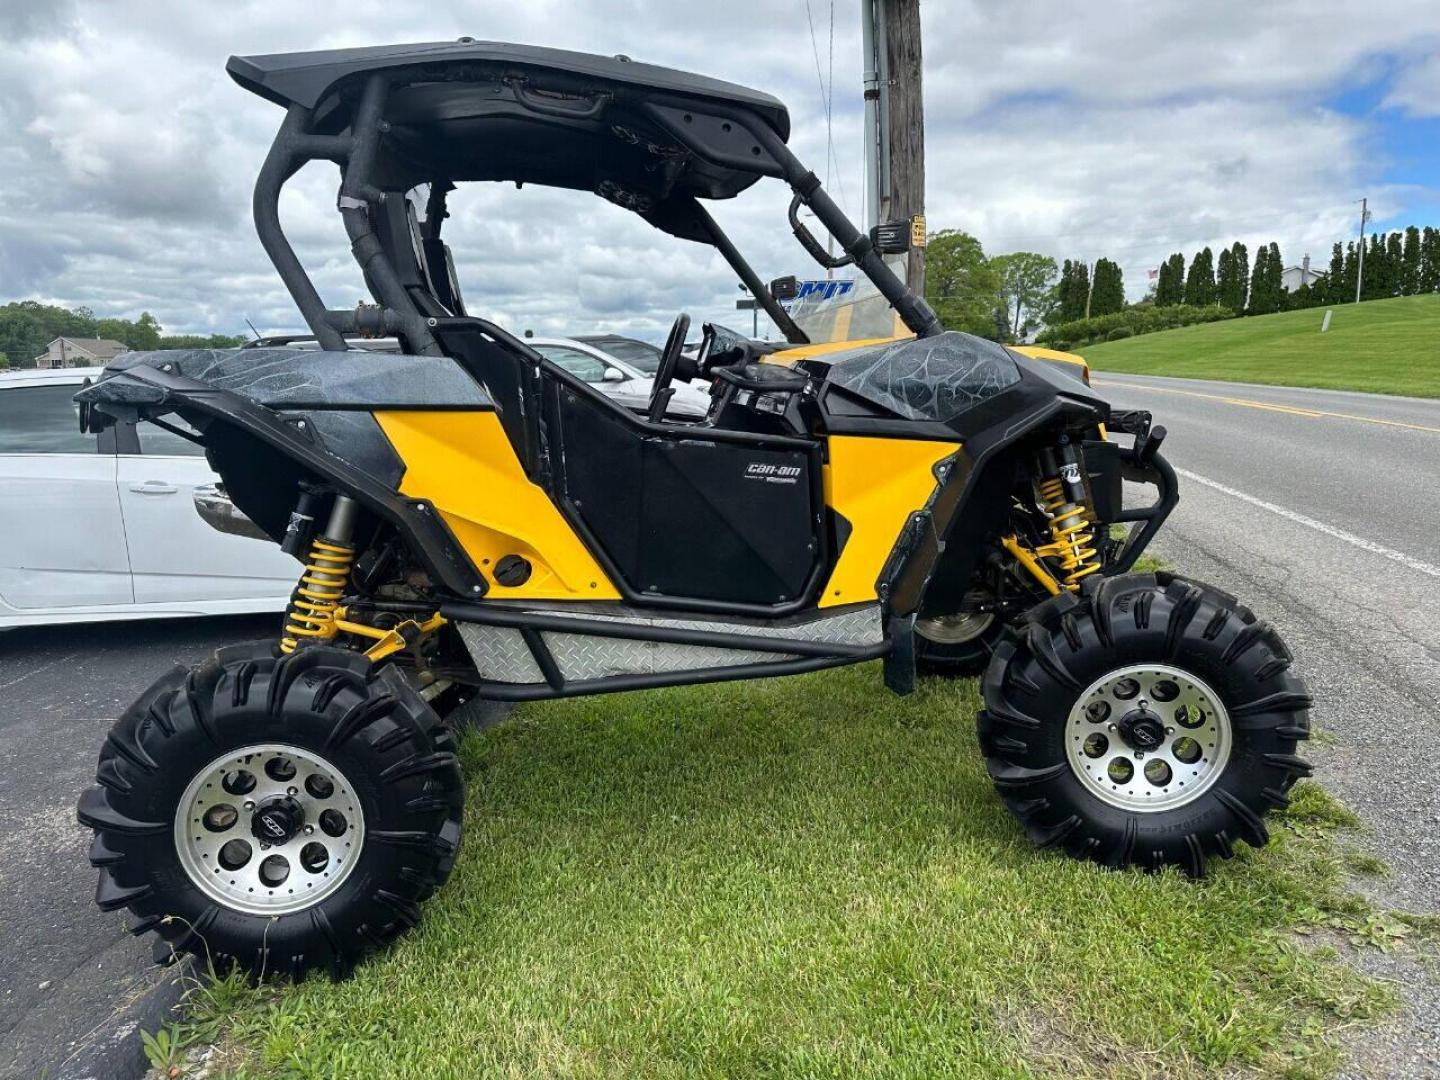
x=661, y=391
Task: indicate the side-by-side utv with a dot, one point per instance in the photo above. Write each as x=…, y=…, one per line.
x=475, y=521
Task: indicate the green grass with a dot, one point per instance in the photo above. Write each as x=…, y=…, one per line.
x=1381, y=346
x=811, y=877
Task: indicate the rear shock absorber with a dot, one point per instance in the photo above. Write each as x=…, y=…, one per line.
x=1062, y=494
x=311, y=614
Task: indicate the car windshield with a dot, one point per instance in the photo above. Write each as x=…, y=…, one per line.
x=935, y=378
x=637, y=354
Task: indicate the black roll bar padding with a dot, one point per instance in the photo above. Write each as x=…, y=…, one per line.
x=808, y=241
x=359, y=199
x=916, y=313
x=758, y=289
x=293, y=146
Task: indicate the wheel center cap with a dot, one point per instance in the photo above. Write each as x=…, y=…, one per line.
x=1142, y=730
x=277, y=819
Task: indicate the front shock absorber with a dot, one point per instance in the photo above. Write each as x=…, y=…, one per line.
x=1062, y=495
x=311, y=614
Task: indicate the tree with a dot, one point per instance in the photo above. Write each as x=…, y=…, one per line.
x=1107, y=294
x=1233, y=293
x=1224, y=275
x=1410, y=263
x=1024, y=278
x=1394, y=264
x=1429, y=280
x=4, y=362
x=1200, y=281
x=1073, y=292
x=1335, y=280
x=960, y=283
x=1267, y=289
x=1170, y=287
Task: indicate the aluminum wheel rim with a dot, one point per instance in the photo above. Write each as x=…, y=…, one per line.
x=203, y=838
x=1193, y=751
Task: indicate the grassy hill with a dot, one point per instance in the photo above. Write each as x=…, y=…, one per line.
x=1383, y=346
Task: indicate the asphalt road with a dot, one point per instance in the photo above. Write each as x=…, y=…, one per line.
x=66, y=969
x=1321, y=510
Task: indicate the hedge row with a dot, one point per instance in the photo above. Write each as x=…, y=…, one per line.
x=1141, y=319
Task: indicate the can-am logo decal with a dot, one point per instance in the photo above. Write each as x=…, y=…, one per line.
x=773, y=474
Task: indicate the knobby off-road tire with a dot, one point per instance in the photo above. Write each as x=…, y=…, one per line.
x=347, y=761
x=1066, y=685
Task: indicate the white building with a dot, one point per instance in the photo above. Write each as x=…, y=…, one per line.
x=1292, y=277
x=66, y=352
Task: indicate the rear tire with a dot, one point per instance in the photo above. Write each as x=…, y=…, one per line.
x=1076, y=680
x=369, y=796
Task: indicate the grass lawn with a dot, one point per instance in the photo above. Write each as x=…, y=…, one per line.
x=811, y=877
x=1383, y=346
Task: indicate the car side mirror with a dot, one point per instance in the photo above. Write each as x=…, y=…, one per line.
x=785, y=288
x=613, y=375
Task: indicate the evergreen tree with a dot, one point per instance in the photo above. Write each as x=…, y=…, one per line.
x=1077, y=295
x=1410, y=263
x=1267, y=290
x=1257, y=281
x=1376, y=274
x=1335, y=279
x=1429, y=280
x=1240, y=258
x=1224, y=275
x=1394, y=263
x=1200, y=281
x=1352, y=270
x=1274, y=278
x=1162, y=283
x=1062, y=303
x=1108, y=294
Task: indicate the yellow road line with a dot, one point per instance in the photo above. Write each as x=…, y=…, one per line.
x=1313, y=414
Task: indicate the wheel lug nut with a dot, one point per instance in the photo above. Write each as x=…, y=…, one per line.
x=292, y=791
x=1139, y=754
x=1169, y=731
x=249, y=804
x=1111, y=726
x=309, y=830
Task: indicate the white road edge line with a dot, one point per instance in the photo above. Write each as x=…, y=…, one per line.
x=1400, y=557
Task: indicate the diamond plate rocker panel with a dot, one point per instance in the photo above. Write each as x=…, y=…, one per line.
x=500, y=653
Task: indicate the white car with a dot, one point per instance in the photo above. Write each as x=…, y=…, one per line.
x=619, y=379
x=100, y=527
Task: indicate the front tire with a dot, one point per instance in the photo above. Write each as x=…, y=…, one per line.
x=1150, y=721
x=276, y=814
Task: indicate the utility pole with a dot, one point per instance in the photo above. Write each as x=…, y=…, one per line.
x=895, y=124
x=1360, y=273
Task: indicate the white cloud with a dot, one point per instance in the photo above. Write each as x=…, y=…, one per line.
x=127, y=154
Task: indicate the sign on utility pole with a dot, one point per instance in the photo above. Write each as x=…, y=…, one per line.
x=895, y=125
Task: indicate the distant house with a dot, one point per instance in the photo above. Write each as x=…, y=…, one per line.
x=79, y=352
x=1292, y=277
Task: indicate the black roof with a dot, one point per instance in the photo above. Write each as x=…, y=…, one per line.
x=648, y=138
x=305, y=78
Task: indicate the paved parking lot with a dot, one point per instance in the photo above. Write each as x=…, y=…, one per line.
x=65, y=967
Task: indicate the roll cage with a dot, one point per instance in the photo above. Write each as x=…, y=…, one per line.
x=652, y=140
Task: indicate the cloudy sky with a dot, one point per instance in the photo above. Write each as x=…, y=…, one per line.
x=127, y=155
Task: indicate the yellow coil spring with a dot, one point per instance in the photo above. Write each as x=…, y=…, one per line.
x=1072, y=534
x=312, y=606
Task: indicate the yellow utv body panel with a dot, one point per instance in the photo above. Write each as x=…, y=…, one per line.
x=462, y=463
x=875, y=484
